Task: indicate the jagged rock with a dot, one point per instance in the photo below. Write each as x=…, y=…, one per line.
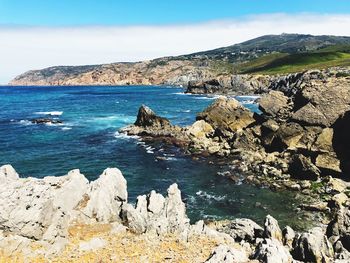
x=212, y=86
x=43, y=208
x=154, y=213
x=313, y=246
x=146, y=117
x=288, y=236
x=339, y=227
x=276, y=105
x=226, y=254
x=242, y=229
x=301, y=167
x=227, y=116
x=336, y=185
x=7, y=172
x=272, y=251
x=106, y=196
x=329, y=163
x=272, y=229
x=324, y=141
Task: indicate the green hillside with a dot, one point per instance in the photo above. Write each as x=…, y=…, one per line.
x=283, y=63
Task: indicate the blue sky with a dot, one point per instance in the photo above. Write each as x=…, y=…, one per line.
x=140, y=12
x=36, y=34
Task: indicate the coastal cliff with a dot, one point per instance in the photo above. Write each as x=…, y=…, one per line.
x=271, y=54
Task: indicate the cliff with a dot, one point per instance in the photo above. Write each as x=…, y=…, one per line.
x=259, y=53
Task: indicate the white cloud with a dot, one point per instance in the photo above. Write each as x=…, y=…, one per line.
x=25, y=48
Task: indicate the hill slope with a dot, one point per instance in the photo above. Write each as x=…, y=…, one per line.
x=269, y=54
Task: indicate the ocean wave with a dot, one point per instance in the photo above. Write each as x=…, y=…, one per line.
x=66, y=128
x=25, y=122
x=205, y=195
x=125, y=136
x=51, y=113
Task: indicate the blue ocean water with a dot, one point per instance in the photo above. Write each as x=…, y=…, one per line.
x=88, y=140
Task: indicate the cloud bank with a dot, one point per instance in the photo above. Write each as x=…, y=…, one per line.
x=26, y=48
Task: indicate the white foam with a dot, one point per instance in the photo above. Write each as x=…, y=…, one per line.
x=25, y=122
x=51, y=113
x=125, y=136
x=210, y=196
x=66, y=128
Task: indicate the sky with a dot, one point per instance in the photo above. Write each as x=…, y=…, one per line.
x=40, y=33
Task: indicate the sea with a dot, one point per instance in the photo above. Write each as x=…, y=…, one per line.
x=89, y=139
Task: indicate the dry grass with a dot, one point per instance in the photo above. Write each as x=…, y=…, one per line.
x=125, y=247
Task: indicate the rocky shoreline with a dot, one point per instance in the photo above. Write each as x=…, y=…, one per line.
x=67, y=218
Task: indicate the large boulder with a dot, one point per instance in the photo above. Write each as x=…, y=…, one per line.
x=320, y=104
x=147, y=118
x=272, y=229
x=227, y=116
x=276, y=105
x=301, y=167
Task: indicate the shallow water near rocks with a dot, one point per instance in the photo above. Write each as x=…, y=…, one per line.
x=88, y=140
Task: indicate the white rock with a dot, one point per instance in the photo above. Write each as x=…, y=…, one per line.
x=272, y=251
x=93, y=244
x=226, y=254
x=7, y=172
x=106, y=196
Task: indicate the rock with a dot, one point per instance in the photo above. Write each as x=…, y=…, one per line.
x=212, y=86
x=288, y=236
x=200, y=129
x=324, y=141
x=336, y=185
x=301, y=167
x=227, y=116
x=329, y=163
x=340, y=199
x=323, y=110
x=46, y=121
x=224, y=253
x=146, y=117
x=313, y=246
x=272, y=229
x=106, y=196
x=276, y=105
x=93, y=244
x=339, y=227
x=7, y=172
x=272, y=251
x=287, y=136
x=242, y=229
x=154, y=213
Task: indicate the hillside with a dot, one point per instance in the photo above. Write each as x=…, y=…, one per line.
x=269, y=54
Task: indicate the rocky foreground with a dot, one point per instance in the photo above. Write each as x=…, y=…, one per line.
x=68, y=219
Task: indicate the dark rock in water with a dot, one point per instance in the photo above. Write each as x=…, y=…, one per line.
x=301, y=167
x=46, y=121
x=206, y=87
x=146, y=117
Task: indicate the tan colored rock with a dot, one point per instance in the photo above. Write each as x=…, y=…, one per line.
x=227, y=115
x=200, y=129
x=329, y=162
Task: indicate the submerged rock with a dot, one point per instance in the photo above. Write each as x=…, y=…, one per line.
x=46, y=121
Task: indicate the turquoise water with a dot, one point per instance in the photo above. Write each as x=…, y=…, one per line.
x=88, y=140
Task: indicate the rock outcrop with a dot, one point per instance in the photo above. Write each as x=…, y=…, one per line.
x=47, y=213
